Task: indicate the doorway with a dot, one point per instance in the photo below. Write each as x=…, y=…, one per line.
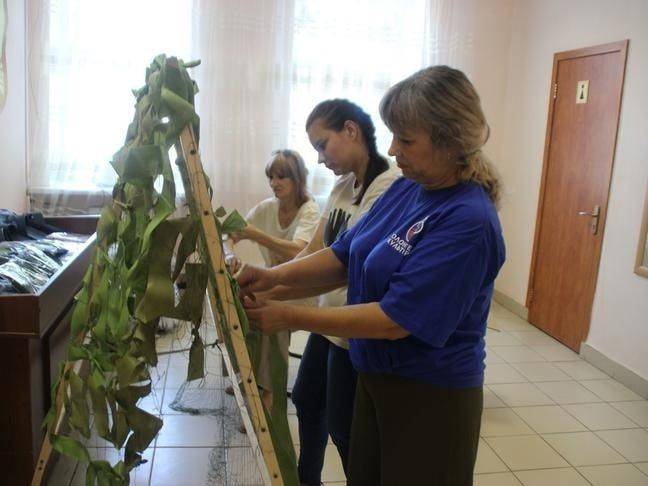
x=580, y=142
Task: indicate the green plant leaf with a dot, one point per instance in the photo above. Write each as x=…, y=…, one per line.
x=233, y=223
x=70, y=447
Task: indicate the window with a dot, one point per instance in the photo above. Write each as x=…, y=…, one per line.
x=96, y=55
x=355, y=50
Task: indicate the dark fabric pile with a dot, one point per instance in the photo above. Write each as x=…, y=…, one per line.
x=31, y=251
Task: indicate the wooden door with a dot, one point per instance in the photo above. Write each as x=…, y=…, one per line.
x=579, y=152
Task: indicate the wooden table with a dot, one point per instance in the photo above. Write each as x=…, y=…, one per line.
x=34, y=333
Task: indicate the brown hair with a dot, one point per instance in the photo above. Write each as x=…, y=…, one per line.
x=443, y=102
x=334, y=114
x=289, y=164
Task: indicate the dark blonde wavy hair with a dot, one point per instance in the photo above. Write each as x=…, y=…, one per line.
x=442, y=101
x=289, y=164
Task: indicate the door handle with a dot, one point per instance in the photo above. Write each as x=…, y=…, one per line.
x=595, y=214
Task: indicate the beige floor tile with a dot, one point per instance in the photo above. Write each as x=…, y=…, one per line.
x=292, y=376
x=491, y=400
x=291, y=408
x=564, y=392
x=189, y=466
x=549, y=419
x=632, y=443
x=492, y=357
x=610, y=390
x=517, y=354
x=496, y=479
x=213, y=361
x=502, y=421
x=292, y=361
x=502, y=373
x=170, y=394
x=152, y=403
x=600, y=416
x=521, y=394
x=614, y=475
x=498, y=309
x=293, y=425
x=511, y=322
x=541, y=372
x=158, y=377
x=636, y=411
x=581, y=370
x=552, y=477
x=487, y=460
x=583, y=449
x=332, y=470
x=556, y=352
x=526, y=452
x=190, y=431
x=643, y=466
x=501, y=338
x=182, y=340
x=534, y=338
x=177, y=376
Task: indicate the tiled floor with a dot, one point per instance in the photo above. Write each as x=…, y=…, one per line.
x=550, y=419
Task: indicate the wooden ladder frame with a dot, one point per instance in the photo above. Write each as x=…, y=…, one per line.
x=255, y=422
x=249, y=403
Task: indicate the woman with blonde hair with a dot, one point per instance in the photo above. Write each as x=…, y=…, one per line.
x=282, y=226
x=420, y=268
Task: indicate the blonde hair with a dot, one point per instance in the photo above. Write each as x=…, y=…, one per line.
x=443, y=102
x=289, y=164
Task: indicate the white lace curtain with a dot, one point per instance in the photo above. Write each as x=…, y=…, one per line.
x=265, y=64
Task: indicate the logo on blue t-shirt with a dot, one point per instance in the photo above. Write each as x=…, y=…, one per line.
x=403, y=246
x=415, y=229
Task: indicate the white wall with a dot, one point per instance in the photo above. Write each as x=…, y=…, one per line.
x=619, y=327
x=13, y=184
x=492, y=41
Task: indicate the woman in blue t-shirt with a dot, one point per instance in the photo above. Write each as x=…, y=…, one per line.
x=420, y=267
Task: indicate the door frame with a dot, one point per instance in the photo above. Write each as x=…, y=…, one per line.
x=619, y=46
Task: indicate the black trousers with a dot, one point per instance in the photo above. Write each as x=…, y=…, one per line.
x=409, y=433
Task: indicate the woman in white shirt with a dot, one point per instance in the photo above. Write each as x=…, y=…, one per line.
x=282, y=226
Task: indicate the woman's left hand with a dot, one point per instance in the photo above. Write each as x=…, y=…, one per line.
x=246, y=233
x=269, y=316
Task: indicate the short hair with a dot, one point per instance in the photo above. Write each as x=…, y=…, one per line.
x=289, y=164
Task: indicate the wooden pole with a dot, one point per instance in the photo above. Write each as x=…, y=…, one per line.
x=214, y=258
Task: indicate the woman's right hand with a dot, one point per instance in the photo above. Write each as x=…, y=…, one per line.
x=253, y=279
x=233, y=263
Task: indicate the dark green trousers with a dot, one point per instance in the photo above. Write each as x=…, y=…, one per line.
x=409, y=433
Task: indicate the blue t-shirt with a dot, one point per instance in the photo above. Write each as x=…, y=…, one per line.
x=429, y=257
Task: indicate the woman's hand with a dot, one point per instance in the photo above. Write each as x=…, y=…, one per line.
x=233, y=263
x=253, y=279
x=247, y=233
x=269, y=317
